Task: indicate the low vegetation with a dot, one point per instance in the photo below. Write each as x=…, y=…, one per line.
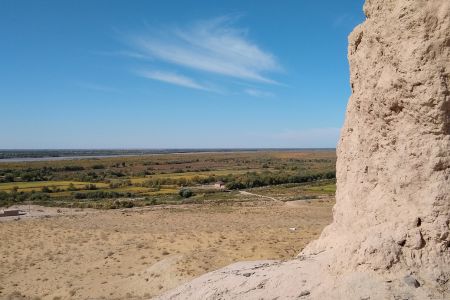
x=115, y=182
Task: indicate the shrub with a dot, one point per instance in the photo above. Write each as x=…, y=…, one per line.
x=122, y=204
x=8, y=178
x=73, y=168
x=101, y=195
x=90, y=187
x=71, y=187
x=39, y=197
x=46, y=189
x=98, y=167
x=186, y=193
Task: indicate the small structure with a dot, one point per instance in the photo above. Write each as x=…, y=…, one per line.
x=219, y=185
x=11, y=213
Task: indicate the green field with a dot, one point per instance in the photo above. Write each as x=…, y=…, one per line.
x=323, y=189
x=38, y=185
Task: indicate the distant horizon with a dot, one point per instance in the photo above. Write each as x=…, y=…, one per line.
x=169, y=148
x=29, y=155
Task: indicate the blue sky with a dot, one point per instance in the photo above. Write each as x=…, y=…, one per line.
x=174, y=74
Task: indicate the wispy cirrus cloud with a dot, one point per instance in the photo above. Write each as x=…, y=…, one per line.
x=258, y=93
x=173, y=78
x=130, y=54
x=214, y=46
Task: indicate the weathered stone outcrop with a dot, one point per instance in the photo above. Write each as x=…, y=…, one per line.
x=393, y=166
x=390, y=236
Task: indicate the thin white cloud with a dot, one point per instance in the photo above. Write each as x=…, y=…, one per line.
x=213, y=46
x=173, y=78
x=258, y=93
x=131, y=54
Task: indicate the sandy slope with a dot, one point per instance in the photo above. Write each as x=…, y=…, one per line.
x=139, y=253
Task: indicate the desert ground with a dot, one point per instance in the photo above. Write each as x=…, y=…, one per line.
x=137, y=253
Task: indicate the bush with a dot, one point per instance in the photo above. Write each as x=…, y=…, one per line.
x=90, y=187
x=73, y=168
x=8, y=178
x=46, y=189
x=186, y=193
x=38, y=197
x=71, y=187
x=7, y=199
x=101, y=195
x=98, y=167
x=122, y=204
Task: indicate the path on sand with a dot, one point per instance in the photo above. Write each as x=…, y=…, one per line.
x=261, y=196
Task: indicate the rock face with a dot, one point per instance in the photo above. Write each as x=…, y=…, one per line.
x=393, y=168
x=390, y=235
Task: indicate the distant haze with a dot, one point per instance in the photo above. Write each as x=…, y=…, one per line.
x=22, y=155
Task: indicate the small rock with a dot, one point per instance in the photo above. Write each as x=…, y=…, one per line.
x=418, y=222
x=304, y=293
x=419, y=242
x=401, y=242
x=247, y=274
x=411, y=281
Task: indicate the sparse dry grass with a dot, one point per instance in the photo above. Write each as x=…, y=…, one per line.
x=140, y=253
